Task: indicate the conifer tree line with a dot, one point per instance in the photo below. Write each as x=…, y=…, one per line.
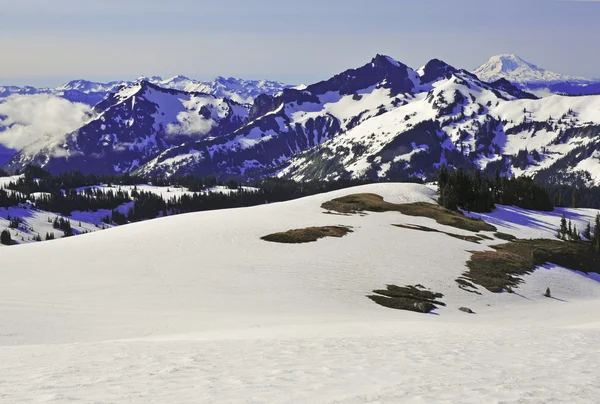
x=569, y=232
x=68, y=192
x=476, y=193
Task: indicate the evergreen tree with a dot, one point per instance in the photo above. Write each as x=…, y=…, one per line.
x=563, y=231
x=587, y=233
x=574, y=199
x=5, y=238
x=570, y=230
x=575, y=236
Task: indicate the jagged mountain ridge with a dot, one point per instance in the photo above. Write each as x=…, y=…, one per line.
x=131, y=126
x=383, y=119
x=91, y=93
x=387, y=120
x=530, y=77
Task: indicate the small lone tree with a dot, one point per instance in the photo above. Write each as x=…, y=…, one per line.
x=563, y=231
x=548, y=294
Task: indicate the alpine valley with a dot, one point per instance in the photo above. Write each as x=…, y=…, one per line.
x=381, y=120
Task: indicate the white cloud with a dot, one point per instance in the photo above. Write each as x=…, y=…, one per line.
x=191, y=124
x=25, y=119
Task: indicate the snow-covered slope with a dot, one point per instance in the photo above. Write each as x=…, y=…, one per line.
x=131, y=126
x=239, y=90
x=45, y=116
x=35, y=222
x=533, y=78
x=197, y=308
x=380, y=120
x=386, y=120
x=25, y=119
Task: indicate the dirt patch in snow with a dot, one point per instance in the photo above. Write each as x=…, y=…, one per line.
x=472, y=239
x=375, y=203
x=501, y=270
x=307, y=235
x=412, y=298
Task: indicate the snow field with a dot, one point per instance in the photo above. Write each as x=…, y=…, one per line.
x=196, y=308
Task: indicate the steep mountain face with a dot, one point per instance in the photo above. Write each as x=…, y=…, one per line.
x=131, y=126
x=386, y=120
x=462, y=123
x=535, y=79
x=296, y=120
x=381, y=120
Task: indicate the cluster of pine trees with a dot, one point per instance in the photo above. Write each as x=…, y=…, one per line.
x=476, y=193
x=87, y=200
x=568, y=232
x=575, y=196
x=10, y=199
x=148, y=205
x=457, y=189
x=64, y=225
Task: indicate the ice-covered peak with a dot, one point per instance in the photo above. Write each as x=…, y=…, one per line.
x=515, y=69
x=176, y=79
x=87, y=87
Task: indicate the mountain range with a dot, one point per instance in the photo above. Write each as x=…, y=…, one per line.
x=383, y=119
x=91, y=93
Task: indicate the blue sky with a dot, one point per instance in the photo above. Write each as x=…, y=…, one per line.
x=46, y=42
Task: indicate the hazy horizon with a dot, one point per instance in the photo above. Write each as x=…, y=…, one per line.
x=46, y=44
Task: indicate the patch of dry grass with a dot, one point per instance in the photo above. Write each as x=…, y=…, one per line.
x=472, y=239
x=375, y=203
x=501, y=270
x=307, y=235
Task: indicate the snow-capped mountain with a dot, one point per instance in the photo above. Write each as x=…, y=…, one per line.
x=91, y=93
x=534, y=78
x=131, y=126
x=87, y=87
x=239, y=90
x=386, y=120
x=381, y=120
x=43, y=117
x=82, y=91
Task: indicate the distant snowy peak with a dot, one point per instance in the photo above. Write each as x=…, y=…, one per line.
x=239, y=90
x=515, y=69
x=90, y=92
x=86, y=87
x=533, y=78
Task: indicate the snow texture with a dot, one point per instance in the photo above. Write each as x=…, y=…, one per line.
x=196, y=308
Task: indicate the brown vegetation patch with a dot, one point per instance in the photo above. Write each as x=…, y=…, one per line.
x=375, y=203
x=505, y=236
x=501, y=270
x=307, y=235
x=472, y=239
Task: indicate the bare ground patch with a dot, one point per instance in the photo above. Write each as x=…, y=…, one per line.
x=503, y=269
x=374, y=203
x=307, y=235
x=412, y=298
